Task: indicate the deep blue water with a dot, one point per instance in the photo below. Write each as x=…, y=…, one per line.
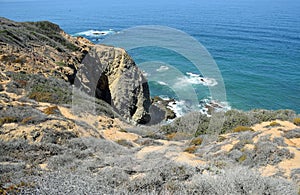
x=255, y=43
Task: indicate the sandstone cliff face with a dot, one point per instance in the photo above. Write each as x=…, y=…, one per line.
x=43, y=48
x=110, y=74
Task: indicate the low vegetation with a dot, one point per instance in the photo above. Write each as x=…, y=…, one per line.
x=7, y=119
x=39, y=88
x=96, y=166
x=190, y=149
x=296, y=121
x=51, y=110
x=274, y=124
x=54, y=160
x=196, y=141
x=234, y=120
x=241, y=129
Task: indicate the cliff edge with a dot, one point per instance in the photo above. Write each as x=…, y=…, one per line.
x=44, y=48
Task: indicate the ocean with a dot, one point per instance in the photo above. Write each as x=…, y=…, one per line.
x=255, y=43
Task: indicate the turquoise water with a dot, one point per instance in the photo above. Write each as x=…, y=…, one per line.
x=256, y=43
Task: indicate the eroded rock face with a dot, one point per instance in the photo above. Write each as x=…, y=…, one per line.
x=104, y=72
x=110, y=74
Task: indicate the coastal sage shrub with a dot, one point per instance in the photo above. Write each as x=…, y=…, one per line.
x=274, y=124
x=40, y=88
x=234, y=118
x=259, y=116
x=191, y=149
x=265, y=153
x=241, y=129
x=56, y=94
x=196, y=141
x=294, y=133
x=196, y=124
x=21, y=114
x=296, y=121
x=98, y=166
x=193, y=123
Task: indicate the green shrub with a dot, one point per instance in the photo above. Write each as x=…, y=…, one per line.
x=191, y=149
x=241, y=129
x=269, y=115
x=234, y=118
x=8, y=119
x=50, y=94
x=124, y=142
x=179, y=136
x=242, y=158
x=196, y=141
x=294, y=133
x=60, y=64
x=13, y=59
x=274, y=124
x=27, y=120
x=41, y=96
x=22, y=114
x=296, y=121
x=51, y=110
x=167, y=129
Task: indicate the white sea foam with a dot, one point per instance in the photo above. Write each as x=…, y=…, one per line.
x=206, y=104
x=199, y=80
x=145, y=74
x=95, y=33
x=181, y=107
x=162, y=83
x=195, y=80
x=162, y=69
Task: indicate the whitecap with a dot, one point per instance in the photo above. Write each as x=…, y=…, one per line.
x=181, y=107
x=206, y=104
x=193, y=74
x=162, y=83
x=162, y=69
x=95, y=33
x=178, y=107
x=195, y=79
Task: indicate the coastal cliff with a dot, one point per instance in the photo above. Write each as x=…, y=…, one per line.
x=110, y=74
x=43, y=48
x=47, y=147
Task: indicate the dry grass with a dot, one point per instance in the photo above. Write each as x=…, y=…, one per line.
x=242, y=129
x=26, y=120
x=191, y=149
x=8, y=119
x=197, y=141
x=296, y=121
x=51, y=110
x=41, y=96
x=242, y=158
x=178, y=136
x=274, y=124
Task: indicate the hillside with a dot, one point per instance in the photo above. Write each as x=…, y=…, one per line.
x=50, y=145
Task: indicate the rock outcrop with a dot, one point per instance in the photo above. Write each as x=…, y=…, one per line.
x=110, y=74
x=43, y=48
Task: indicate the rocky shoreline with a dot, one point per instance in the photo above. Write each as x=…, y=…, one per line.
x=58, y=139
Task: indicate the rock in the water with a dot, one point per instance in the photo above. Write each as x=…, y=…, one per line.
x=110, y=74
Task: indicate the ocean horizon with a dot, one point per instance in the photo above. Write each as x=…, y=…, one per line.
x=256, y=44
